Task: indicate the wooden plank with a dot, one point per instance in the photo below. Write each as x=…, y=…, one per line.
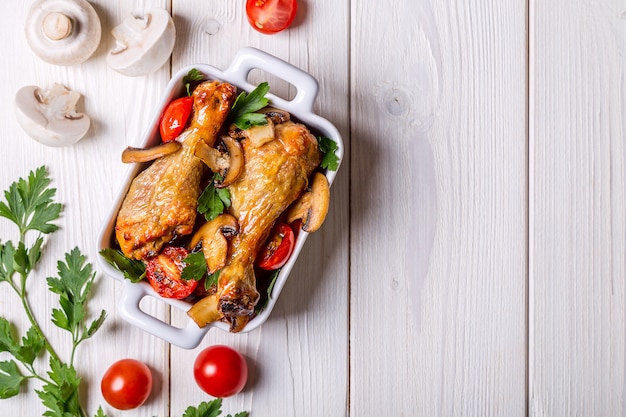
x=299, y=357
x=87, y=176
x=438, y=218
x=577, y=191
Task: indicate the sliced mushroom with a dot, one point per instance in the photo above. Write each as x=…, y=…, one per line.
x=236, y=161
x=213, y=236
x=276, y=115
x=63, y=32
x=259, y=135
x=130, y=154
x=205, y=311
x=143, y=44
x=229, y=163
x=49, y=116
x=312, y=206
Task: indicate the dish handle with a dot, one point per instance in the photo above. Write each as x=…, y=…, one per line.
x=249, y=58
x=188, y=337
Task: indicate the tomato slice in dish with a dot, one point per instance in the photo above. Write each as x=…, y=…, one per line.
x=278, y=247
x=271, y=16
x=164, y=270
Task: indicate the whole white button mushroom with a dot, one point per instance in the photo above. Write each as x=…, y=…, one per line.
x=63, y=32
x=49, y=116
x=143, y=44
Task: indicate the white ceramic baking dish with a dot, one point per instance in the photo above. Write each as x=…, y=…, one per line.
x=300, y=107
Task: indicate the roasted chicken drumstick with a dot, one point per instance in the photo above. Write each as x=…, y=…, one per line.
x=161, y=202
x=275, y=175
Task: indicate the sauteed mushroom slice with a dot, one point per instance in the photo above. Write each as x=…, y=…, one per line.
x=276, y=115
x=131, y=154
x=205, y=311
x=213, y=236
x=260, y=135
x=312, y=206
x=229, y=163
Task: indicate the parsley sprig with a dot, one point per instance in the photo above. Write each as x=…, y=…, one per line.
x=244, y=114
x=328, y=147
x=30, y=207
x=210, y=409
x=213, y=201
x=131, y=269
x=192, y=77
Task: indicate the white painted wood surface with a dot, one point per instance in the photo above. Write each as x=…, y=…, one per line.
x=475, y=253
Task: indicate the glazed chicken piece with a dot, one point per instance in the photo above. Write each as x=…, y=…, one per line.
x=161, y=202
x=275, y=175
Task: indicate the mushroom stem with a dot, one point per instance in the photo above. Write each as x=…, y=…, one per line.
x=57, y=26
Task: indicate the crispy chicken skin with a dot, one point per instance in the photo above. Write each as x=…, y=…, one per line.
x=275, y=175
x=161, y=202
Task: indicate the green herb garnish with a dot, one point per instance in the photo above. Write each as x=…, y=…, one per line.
x=192, y=76
x=244, y=114
x=213, y=201
x=263, y=305
x=196, y=269
x=330, y=160
x=210, y=409
x=132, y=269
x=29, y=205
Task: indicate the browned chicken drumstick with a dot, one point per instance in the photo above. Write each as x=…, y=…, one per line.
x=161, y=202
x=275, y=175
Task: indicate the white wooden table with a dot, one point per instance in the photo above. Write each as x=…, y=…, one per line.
x=474, y=258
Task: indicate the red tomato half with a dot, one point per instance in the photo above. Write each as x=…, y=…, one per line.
x=220, y=371
x=271, y=16
x=163, y=272
x=126, y=384
x=278, y=247
x=175, y=118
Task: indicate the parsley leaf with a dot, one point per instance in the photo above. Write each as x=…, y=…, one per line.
x=8, y=342
x=212, y=408
x=213, y=201
x=10, y=379
x=195, y=267
x=7, y=267
x=132, y=269
x=243, y=113
x=263, y=304
x=100, y=412
x=330, y=160
x=32, y=346
x=60, y=394
x=73, y=287
x=192, y=76
x=29, y=204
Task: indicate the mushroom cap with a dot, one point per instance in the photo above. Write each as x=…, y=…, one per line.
x=143, y=44
x=50, y=117
x=63, y=32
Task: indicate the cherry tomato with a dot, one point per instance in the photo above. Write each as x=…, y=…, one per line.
x=163, y=272
x=175, y=118
x=271, y=16
x=278, y=247
x=126, y=384
x=220, y=371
